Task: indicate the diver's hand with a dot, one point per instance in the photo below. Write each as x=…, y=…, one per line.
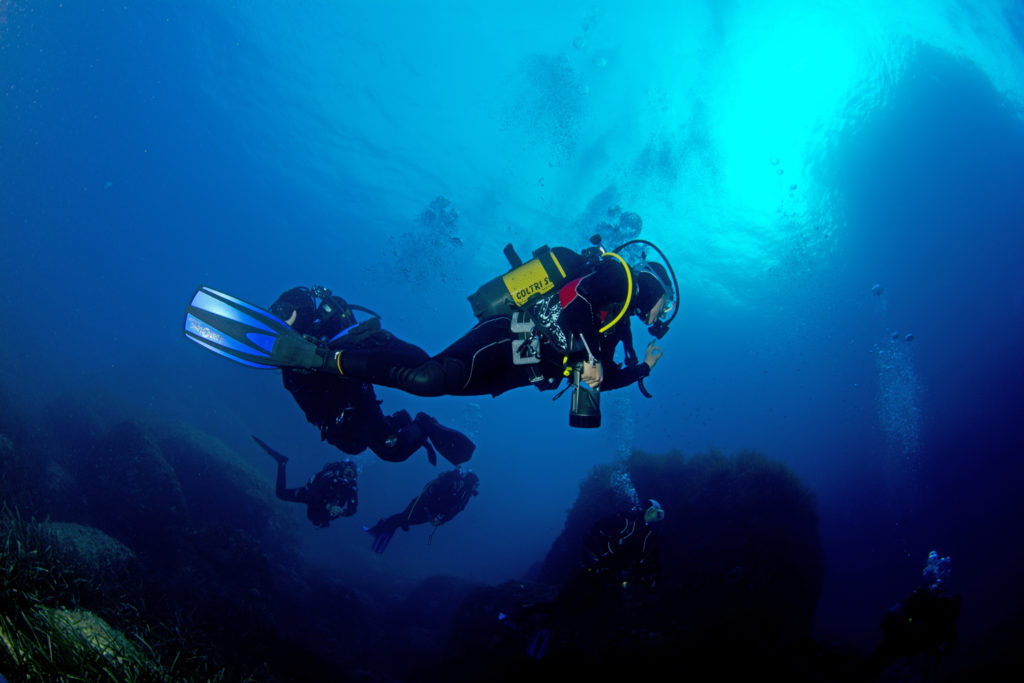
x=653, y=355
x=593, y=374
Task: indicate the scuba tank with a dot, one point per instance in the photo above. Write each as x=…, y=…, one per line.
x=549, y=269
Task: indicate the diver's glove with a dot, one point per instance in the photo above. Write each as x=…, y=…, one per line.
x=295, y=351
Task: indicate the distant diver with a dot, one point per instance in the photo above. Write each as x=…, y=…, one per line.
x=439, y=501
x=559, y=315
x=922, y=625
x=622, y=550
x=331, y=493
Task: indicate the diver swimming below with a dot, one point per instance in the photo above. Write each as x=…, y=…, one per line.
x=560, y=315
x=621, y=552
x=440, y=500
x=331, y=493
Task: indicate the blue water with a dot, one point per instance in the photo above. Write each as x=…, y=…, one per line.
x=788, y=159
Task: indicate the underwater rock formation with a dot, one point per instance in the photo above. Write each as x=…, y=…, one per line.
x=7, y=464
x=181, y=549
x=133, y=492
x=100, y=557
x=741, y=571
x=74, y=426
x=216, y=483
x=82, y=635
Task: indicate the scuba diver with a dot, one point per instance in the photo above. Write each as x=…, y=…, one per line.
x=439, y=501
x=621, y=550
x=347, y=411
x=624, y=547
x=922, y=624
x=330, y=493
x=559, y=315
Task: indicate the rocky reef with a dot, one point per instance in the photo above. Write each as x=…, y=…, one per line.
x=133, y=552
x=741, y=571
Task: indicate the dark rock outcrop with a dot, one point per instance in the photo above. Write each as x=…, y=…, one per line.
x=99, y=557
x=741, y=571
x=133, y=492
x=219, y=486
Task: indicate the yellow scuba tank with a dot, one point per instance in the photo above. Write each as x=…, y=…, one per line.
x=549, y=268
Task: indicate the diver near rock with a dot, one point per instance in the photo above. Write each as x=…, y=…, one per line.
x=620, y=552
x=331, y=493
x=922, y=625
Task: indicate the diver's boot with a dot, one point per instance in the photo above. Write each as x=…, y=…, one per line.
x=452, y=444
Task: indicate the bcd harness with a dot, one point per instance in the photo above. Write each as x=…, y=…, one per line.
x=545, y=309
x=525, y=293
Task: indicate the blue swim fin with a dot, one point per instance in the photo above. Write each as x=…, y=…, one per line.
x=246, y=334
x=381, y=536
x=539, y=643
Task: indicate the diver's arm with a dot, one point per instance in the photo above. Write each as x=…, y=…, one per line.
x=617, y=377
x=299, y=495
x=281, y=489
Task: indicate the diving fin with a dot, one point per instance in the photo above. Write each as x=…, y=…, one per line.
x=382, y=533
x=539, y=643
x=247, y=334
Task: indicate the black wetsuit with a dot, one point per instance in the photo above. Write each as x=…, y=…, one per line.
x=349, y=416
x=923, y=623
x=441, y=499
x=624, y=547
x=568, y=322
x=619, y=551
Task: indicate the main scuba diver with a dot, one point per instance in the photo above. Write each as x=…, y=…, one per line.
x=561, y=314
x=581, y=322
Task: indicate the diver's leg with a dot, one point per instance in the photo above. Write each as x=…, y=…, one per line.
x=346, y=436
x=387, y=368
x=487, y=356
x=397, y=437
x=475, y=364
